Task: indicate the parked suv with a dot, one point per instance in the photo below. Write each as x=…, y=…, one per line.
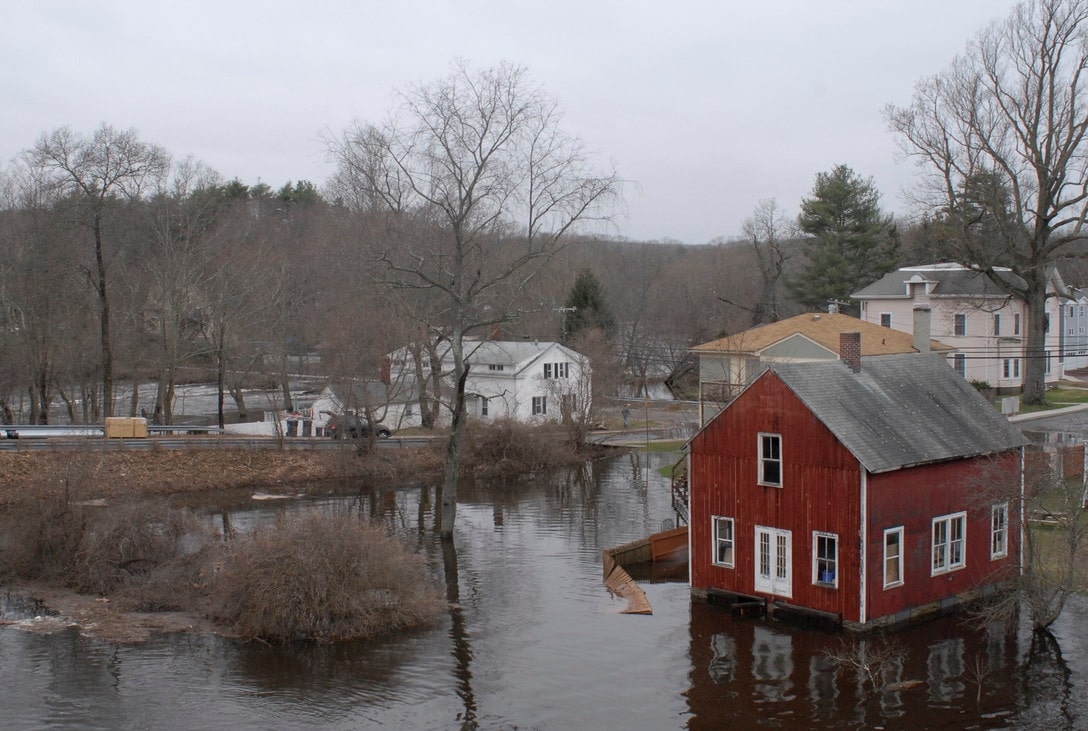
x=346, y=426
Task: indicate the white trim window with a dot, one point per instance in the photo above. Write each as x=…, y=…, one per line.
x=540, y=405
x=825, y=559
x=770, y=460
x=723, y=542
x=1010, y=368
x=959, y=363
x=886, y=319
x=949, y=542
x=893, y=557
x=483, y=405
x=999, y=530
x=997, y=324
x=959, y=324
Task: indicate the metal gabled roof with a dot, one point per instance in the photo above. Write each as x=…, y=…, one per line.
x=900, y=410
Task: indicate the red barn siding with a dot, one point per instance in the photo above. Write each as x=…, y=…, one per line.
x=912, y=498
x=820, y=491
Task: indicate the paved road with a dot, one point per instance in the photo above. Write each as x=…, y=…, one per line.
x=1073, y=420
x=70, y=443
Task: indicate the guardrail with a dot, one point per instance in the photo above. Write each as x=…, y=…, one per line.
x=183, y=429
x=18, y=431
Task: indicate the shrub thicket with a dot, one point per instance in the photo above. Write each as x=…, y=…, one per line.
x=323, y=578
x=148, y=552
x=505, y=446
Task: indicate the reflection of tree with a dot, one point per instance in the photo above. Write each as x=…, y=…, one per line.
x=462, y=650
x=1047, y=682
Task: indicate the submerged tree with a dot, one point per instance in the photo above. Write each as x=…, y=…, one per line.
x=478, y=186
x=1054, y=555
x=853, y=244
x=1001, y=137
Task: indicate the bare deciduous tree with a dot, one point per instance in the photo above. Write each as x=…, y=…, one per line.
x=767, y=233
x=1054, y=556
x=1010, y=111
x=481, y=157
x=92, y=173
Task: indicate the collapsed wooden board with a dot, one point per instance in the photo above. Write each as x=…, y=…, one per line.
x=620, y=583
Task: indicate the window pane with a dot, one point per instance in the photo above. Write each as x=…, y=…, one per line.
x=892, y=563
x=765, y=555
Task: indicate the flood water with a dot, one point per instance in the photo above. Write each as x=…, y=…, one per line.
x=534, y=641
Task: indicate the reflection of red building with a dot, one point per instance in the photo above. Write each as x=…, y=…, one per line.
x=753, y=674
x=866, y=493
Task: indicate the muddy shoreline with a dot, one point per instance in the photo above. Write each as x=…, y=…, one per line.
x=94, y=475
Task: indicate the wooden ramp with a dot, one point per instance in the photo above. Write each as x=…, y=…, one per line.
x=671, y=545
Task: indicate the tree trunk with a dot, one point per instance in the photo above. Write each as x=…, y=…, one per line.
x=426, y=419
x=448, y=502
x=104, y=321
x=1035, y=356
x=285, y=385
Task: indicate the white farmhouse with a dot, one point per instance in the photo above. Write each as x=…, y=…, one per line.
x=528, y=381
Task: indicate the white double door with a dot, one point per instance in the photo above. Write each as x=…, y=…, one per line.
x=774, y=558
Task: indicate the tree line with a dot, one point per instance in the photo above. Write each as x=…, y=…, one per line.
x=470, y=210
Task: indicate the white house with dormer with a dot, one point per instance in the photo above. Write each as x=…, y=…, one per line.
x=973, y=313
x=525, y=380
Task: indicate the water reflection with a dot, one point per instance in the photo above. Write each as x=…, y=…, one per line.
x=532, y=640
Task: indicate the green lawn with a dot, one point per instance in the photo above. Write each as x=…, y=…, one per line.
x=1058, y=398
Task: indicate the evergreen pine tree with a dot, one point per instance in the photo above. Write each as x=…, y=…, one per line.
x=853, y=244
x=586, y=307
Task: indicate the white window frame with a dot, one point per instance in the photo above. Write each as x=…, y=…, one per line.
x=897, y=558
x=1016, y=323
x=718, y=525
x=959, y=325
x=999, y=530
x=833, y=561
x=886, y=317
x=765, y=460
x=495, y=367
x=483, y=406
x=997, y=324
x=959, y=363
x=948, y=552
x=540, y=405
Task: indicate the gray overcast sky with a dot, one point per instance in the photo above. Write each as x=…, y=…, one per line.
x=706, y=107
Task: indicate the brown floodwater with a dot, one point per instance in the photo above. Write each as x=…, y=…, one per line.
x=534, y=641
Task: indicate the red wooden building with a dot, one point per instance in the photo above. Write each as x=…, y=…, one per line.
x=871, y=492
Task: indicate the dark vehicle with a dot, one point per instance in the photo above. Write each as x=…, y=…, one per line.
x=346, y=426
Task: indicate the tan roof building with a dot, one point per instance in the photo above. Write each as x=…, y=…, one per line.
x=728, y=364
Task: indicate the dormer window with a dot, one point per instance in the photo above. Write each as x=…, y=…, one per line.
x=495, y=367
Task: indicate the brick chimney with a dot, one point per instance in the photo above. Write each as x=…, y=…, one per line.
x=850, y=350
x=921, y=328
